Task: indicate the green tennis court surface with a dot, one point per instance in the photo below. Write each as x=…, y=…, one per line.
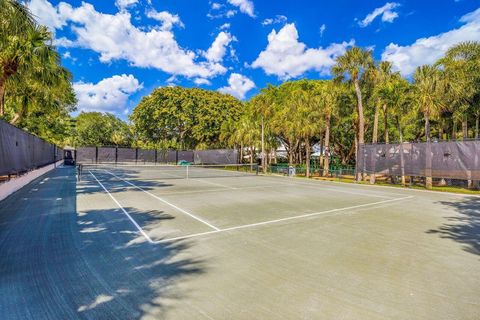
x=127, y=243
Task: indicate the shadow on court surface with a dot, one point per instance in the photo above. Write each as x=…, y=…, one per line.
x=137, y=278
x=114, y=185
x=58, y=263
x=465, y=227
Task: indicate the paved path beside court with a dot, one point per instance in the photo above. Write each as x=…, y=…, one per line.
x=70, y=251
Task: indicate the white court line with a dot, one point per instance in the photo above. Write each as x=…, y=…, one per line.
x=124, y=211
x=318, y=182
x=199, y=191
x=309, y=185
x=214, y=184
x=402, y=189
x=283, y=219
x=166, y=202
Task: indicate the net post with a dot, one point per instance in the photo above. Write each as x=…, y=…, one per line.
x=187, y=171
x=256, y=170
x=96, y=154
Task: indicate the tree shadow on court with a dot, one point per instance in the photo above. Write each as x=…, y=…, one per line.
x=65, y=261
x=464, y=227
x=131, y=277
x=88, y=185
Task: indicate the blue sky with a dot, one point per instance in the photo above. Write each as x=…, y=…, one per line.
x=120, y=50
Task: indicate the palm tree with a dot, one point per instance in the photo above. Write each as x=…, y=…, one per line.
x=462, y=71
x=29, y=63
x=354, y=63
x=429, y=87
x=308, y=116
x=330, y=92
x=16, y=22
x=263, y=106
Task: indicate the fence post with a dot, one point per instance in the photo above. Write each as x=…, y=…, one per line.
x=96, y=154
x=116, y=155
x=136, y=155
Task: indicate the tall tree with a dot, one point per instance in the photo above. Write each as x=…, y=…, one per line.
x=102, y=129
x=353, y=64
x=462, y=72
x=35, y=90
x=185, y=118
x=429, y=89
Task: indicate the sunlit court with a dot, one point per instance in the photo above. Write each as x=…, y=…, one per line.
x=149, y=242
x=239, y=160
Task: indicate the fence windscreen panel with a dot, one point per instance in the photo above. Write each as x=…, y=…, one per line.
x=220, y=156
x=132, y=155
x=146, y=155
x=185, y=155
x=454, y=160
x=86, y=155
x=106, y=154
x=126, y=155
x=21, y=151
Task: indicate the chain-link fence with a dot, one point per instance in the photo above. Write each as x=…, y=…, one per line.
x=444, y=160
x=21, y=151
x=116, y=155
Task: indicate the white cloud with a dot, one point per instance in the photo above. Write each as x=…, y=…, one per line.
x=225, y=26
x=387, y=13
x=238, y=86
x=428, y=50
x=216, y=6
x=63, y=42
x=67, y=55
x=108, y=95
x=114, y=37
x=48, y=15
x=277, y=19
x=218, y=13
x=217, y=51
x=167, y=19
x=124, y=4
x=200, y=81
x=286, y=57
x=245, y=6
x=323, y=27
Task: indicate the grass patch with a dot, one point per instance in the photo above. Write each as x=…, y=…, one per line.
x=451, y=189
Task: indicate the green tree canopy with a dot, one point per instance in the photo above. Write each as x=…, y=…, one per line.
x=184, y=118
x=102, y=129
x=35, y=90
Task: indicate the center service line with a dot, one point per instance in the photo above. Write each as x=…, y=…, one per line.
x=124, y=211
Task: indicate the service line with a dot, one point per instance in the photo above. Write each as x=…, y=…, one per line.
x=303, y=216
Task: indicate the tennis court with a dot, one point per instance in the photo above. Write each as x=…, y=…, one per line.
x=207, y=200
x=158, y=242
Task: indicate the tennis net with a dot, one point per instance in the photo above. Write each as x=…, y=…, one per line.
x=162, y=172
